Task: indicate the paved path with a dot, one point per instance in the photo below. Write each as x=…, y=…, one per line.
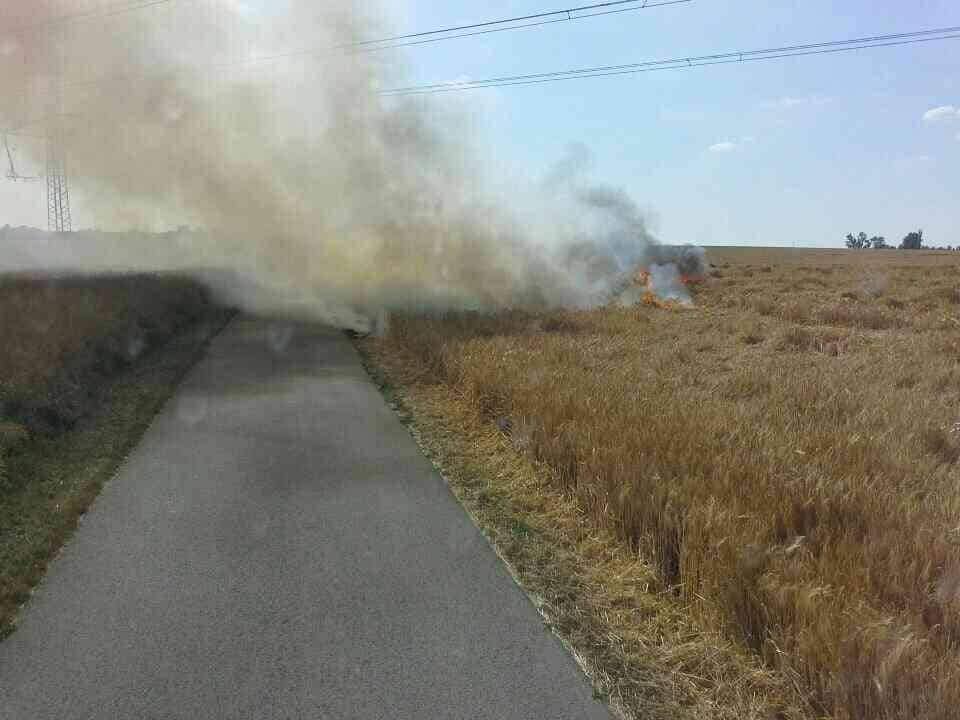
x=277, y=547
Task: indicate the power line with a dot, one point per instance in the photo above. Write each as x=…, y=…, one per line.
x=418, y=38
x=90, y=14
x=683, y=63
x=399, y=41
x=12, y=174
x=415, y=38
x=532, y=24
x=558, y=15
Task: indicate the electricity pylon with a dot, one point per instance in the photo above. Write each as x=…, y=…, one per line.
x=58, y=192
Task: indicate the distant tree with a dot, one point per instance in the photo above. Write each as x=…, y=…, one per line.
x=858, y=242
x=912, y=241
x=862, y=242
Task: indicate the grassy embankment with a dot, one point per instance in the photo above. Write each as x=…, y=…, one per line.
x=84, y=365
x=784, y=455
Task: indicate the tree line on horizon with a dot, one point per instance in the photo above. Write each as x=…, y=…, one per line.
x=911, y=241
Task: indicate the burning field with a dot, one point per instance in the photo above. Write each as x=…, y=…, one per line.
x=776, y=438
x=752, y=456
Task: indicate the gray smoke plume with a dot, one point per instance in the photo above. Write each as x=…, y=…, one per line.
x=613, y=240
x=665, y=283
x=313, y=192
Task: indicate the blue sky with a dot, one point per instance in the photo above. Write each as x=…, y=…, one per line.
x=793, y=151
x=789, y=151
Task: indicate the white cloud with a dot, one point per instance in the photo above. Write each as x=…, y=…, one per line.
x=805, y=100
x=944, y=112
x=723, y=147
x=728, y=146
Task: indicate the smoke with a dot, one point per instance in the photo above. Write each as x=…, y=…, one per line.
x=600, y=231
x=665, y=283
x=313, y=193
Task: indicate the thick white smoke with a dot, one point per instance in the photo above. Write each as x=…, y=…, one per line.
x=321, y=195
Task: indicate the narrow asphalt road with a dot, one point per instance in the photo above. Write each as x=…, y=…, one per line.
x=277, y=547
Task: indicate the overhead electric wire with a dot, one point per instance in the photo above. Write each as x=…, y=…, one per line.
x=682, y=63
x=13, y=174
x=90, y=14
x=563, y=15
x=377, y=45
x=416, y=38
x=394, y=42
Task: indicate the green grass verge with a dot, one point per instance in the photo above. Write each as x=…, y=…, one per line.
x=58, y=476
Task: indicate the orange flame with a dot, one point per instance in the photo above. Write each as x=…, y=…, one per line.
x=651, y=299
x=643, y=278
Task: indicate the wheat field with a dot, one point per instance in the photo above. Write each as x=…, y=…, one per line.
x=784, y=450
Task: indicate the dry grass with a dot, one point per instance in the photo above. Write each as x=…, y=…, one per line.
x=62, y=335
x=826, y=260
x=790, y=472
x=77, y=388
x=646, y=656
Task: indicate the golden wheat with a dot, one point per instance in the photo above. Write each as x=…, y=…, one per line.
x=785, y=452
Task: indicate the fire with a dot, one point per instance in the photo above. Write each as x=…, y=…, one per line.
x=643, y=278
x=651, y=299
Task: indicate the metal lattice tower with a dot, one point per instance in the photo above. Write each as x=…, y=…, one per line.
x=58, y=193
